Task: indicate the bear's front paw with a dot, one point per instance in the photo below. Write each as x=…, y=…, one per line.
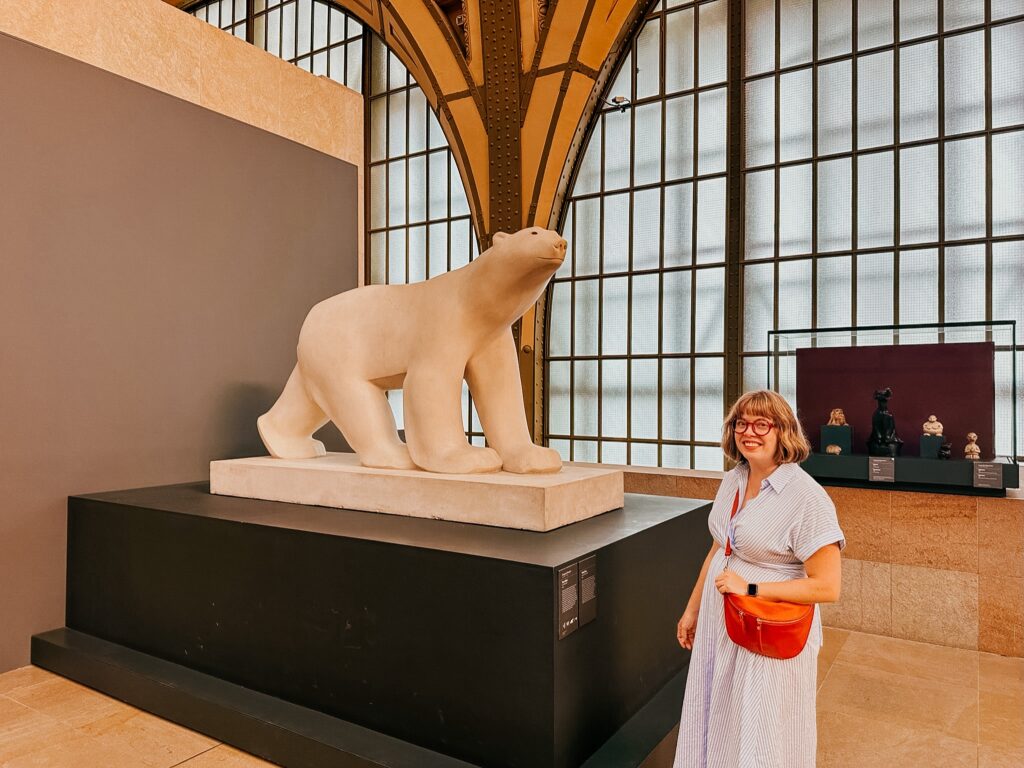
x=470, y=460
x=533, y=459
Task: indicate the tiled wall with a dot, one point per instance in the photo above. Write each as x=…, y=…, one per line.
x=932, y=567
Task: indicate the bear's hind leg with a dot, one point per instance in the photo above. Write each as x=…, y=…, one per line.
x=360, y=410
x=287, y=428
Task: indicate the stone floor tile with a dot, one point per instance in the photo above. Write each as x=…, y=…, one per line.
x=955, y=666
x=22, y=678
x=157, y=742
x=852, y=741
x=67, y=701
x=223, y=756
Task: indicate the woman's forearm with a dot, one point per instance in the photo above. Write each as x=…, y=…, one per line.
x=698, y=589
x=806, y=590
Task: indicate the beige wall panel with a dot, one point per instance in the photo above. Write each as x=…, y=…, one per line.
x=580, y=87
x=231, y=84
x=539, y=121
x=565, y=25
x=471, y=132
x=604, y=27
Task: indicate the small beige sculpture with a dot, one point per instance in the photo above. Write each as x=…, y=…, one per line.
x=837, y=418
x=835, y=450
x=933, y=426
x=424, y=338
x=971, y=451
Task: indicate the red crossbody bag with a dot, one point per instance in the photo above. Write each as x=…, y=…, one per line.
x=775, y=629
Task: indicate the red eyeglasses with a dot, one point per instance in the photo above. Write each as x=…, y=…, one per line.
x=761, y=427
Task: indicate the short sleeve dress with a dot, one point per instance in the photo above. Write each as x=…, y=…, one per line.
x=741, y=709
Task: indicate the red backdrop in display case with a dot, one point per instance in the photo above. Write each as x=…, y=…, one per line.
x=956, y=382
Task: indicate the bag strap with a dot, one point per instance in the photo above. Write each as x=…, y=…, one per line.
x=728, y=538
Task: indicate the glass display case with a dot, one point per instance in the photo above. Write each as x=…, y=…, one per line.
x=918, y=407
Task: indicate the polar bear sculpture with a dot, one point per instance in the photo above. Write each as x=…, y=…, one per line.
x=424, y=338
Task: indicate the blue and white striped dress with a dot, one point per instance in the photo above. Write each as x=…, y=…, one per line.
x=744, y=710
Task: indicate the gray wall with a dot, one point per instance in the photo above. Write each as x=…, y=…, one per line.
x=157, y=261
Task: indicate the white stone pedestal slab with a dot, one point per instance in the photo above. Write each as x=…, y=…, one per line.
x=530, y=502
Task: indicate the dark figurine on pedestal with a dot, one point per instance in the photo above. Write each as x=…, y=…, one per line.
x=946, y=450
x=884, y=441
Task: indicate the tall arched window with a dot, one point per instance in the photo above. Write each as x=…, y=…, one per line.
x=878, y=178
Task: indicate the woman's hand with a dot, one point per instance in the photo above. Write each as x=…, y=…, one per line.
x=728, y=582
x=687, y=628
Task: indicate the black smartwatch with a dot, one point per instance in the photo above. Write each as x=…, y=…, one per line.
x=752, y=590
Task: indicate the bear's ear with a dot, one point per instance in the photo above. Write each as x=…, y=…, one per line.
x=499, y=236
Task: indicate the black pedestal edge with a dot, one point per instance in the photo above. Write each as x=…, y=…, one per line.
x=294, y=736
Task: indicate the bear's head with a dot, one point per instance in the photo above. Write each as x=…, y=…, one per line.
x=544, y=245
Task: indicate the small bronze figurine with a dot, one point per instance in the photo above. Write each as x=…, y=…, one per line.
x=837, y=418
x=884, y=441
x=835, y=450
x=932, y=427
x=971, y=451
x=946, y=451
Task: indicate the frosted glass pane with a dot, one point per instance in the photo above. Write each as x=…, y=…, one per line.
x=562, y=446
x=675, y=399
x=795, y=206
x=613, y=398
x=919, y=290
x=1007, y=279
x=644, y=334
x=398, y=75
x=919, y=92
x=612, y=452
x=417, y=188
x=760, y=230
x=568, y=232
x=459, y=204
x=965, y=283
x=584, y=398
x=965, y=189
x=1008, y=184
x=378, y=66
x=708, y=399
x=417, y=254
x=795, y=113
x=965, y=83
x=678, y=237
x=1007, y=83
x=760, y=124
x=835, y=211
x=584, y=450
x=646, y=211
x=835, y=295
x=588, y=233
x=354, y=65
x=711, y=221
x=586, y=317
x=758, y=304
x=644, y=399
x=874, y=100
x=874, y=23
x=378, y=259
x=918, y=18
x=560, y=320
x=622, y=85
x=461, y=243
x=438, y=191
x=679, y=50
x=713, y=43
x=396, y=124
x=288, y=31
x=795, y=294
x=1001, y=9
x=874, y=199
x=337, y=25
x=378, y=129
x=417, y=120
x=710, y=319
x=615, y=318
x=319, y=25
x=396, y=257
x=378, y=196
x=617, y=140
x=676, y=312
x=755, y=373
x=643, y=455
x=962, y=13
x=588, y=177
x=874, y=289
x=435, y=134
x=760, y=35
x=675, y=456
x=396, y=192
x=919, y=194
x=616, y=233
x=797, y=24
x=1004, y=409
x=438, y=249
x=646, y=58
x=679, y=137
x=708, y=458
x=711, y=133
x=834, y=108
x=835, y=22
x=305, y=27
x=647, y=148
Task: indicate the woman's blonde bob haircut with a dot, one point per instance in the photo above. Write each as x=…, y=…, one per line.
x=792, y=442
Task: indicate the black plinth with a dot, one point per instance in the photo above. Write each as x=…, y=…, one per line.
x=440, y=636
x=914, y=474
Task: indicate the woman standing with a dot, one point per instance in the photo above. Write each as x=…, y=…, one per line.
x=743, y=709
